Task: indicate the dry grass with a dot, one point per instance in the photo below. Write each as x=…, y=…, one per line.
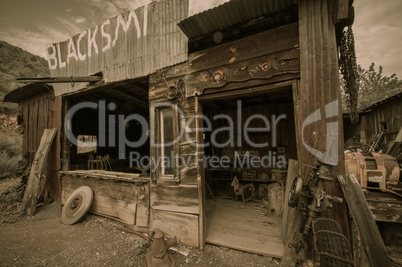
x=10, y=155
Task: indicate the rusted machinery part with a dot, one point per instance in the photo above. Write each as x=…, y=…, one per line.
x=77, y=205
x=295, y=191
x=373, y=168
x=159, y=253
x=383, y=190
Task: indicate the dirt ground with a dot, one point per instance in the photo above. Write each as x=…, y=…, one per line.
x=43, y=240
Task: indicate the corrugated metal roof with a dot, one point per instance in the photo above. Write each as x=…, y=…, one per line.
x=229, y=14
x=26, y=91
x=388, y=96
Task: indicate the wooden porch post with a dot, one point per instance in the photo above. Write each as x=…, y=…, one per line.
x=320, y=92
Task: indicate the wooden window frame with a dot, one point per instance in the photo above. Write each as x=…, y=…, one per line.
x=156, y=136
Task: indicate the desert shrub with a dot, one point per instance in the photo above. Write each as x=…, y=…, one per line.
x=10, y=155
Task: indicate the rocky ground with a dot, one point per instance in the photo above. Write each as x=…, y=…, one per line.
x=43, y=240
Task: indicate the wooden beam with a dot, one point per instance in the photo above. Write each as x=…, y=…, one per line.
x=320, y=90
x=133, y=99
x=365, y=224
x=343, y=10
x=32, y=191
x=200, y=177
x=65, y=145
x=246, y=92
x=136, y=87
x=71, y=79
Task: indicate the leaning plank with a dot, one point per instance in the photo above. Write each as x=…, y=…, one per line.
x=288, y=214
x=32, y=191
x=365, y=224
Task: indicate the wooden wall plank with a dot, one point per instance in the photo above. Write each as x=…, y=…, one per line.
x=128, y=201
x=103, y=205
x=143, y=206
x=123, y=210
x=201, y=177
x=288, y=213
x=264, y=43
x=42, y=118
x=65, y=143
x=342, y=10
x=263, y=68
x=116, y=190
x=25, y=117
x=54, y=184
x=36, y=135
x=270, y=42
x=31, y=123
x=183, y=226
x=175, y=198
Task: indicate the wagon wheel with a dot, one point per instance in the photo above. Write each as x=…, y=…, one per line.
x=77, y=205
x=295, y=191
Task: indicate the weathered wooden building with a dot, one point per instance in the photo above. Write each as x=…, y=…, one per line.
x=381, y=119
x=184, y=77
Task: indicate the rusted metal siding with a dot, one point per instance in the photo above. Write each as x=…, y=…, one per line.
x=130, y=45
x=232, y=13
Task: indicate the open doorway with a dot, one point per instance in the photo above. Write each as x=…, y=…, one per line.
x=247, y=148
x=111, y=128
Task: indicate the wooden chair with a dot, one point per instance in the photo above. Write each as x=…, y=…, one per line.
x=242, y=189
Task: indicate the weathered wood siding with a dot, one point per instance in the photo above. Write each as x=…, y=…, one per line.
x=265, y=58
x=389, y=113
x=37, y=116
x=268, y=57
x=119, y=195
x=175, y=198
x=320, y=90
x=183, y=226
x=42, y=112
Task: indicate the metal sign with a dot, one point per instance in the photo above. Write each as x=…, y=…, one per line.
x=130, y=45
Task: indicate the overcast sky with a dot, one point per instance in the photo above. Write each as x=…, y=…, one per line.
x=32, y=24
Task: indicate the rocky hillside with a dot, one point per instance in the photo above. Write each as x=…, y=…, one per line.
x=14, y=62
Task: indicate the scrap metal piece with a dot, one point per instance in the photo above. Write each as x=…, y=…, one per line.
x=77, y=205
